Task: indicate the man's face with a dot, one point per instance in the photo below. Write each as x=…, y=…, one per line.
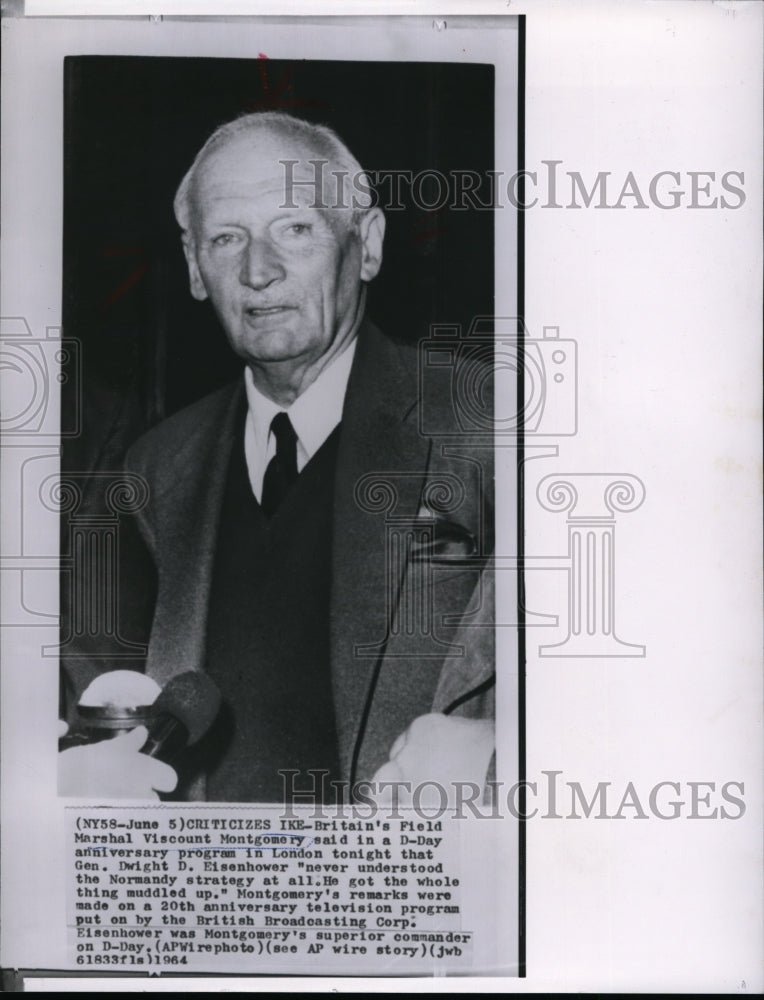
x=285, y=283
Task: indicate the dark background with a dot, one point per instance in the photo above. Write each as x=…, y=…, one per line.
x=132, y=128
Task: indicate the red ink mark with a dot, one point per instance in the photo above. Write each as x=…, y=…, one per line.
x=135, y=275
x=421, y=237
x=427, y=219
x=126, y=285
x=278, y=95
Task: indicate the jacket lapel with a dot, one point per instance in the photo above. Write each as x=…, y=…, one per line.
x=395, y=619
x=381, y=468
x=190, y=493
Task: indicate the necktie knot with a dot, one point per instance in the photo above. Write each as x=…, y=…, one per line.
x=282, y=468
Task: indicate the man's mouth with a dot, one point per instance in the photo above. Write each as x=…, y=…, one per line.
x=266, y=310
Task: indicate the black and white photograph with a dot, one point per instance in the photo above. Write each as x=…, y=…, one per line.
x=380, y=449
x=283, y=284
x=308, y=622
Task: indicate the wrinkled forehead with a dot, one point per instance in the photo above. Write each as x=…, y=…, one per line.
x=267, y=169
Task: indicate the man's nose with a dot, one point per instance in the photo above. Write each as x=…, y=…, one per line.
x=260, y=265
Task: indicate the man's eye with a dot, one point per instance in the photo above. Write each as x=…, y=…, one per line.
x=298, y=229
x=224, y=239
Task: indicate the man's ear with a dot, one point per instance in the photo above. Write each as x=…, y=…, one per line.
x=372, y=232
x=194, y=274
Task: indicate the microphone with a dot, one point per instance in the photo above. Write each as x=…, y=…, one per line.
x=181, y=715
x=175, y=717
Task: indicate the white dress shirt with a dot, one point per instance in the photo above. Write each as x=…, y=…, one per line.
x=313, y=415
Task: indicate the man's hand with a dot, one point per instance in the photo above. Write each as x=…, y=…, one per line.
x=438, y=749
x=114, y=769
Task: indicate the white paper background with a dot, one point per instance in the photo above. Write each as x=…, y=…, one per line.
x=32, y=209
x=665, y=307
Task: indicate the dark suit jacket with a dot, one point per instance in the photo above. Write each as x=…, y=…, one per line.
x=386, y=667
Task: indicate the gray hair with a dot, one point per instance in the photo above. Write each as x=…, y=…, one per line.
x=320, y=138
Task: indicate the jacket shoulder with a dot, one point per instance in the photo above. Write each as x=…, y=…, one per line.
x=157, y=454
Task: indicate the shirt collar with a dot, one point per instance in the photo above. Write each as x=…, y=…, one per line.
x=314, y=414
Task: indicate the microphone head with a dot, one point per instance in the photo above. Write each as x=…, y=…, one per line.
x=193, y=699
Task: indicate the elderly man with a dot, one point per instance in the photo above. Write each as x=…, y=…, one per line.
x=276, y=571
